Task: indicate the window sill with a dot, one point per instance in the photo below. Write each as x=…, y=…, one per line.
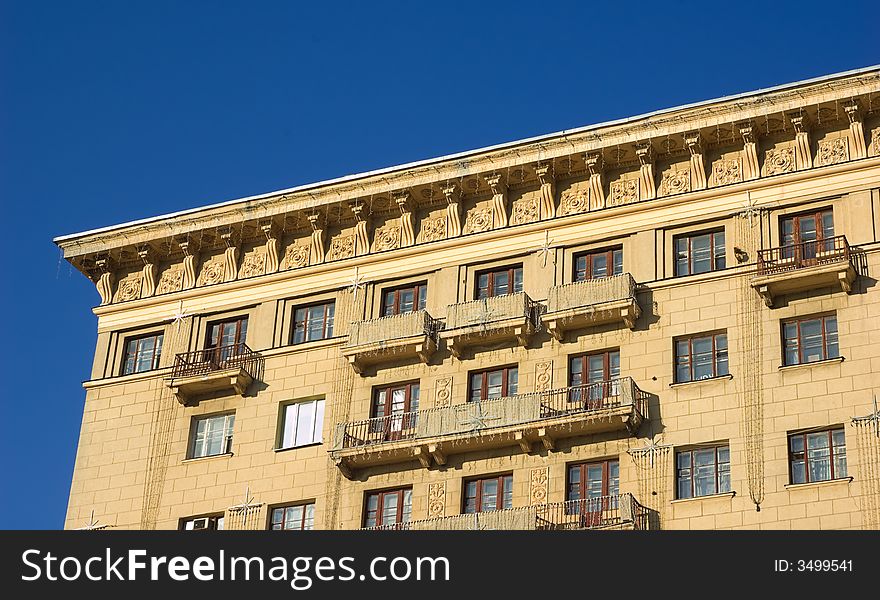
x=710, y=497
x=201, y=458
x=313, y=444
x=827, y=361
x=708, y=380
x=798, y=486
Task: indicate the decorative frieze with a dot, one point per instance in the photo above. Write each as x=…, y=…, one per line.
x=253, y=265
x=296, y=256
x=104, y=279
x=624, y=191
x=596, y=167
x=230, y=255
x=361, y=229
x=387, y=238
x=341, y=247
x=148, y=273
x=443, y=392
x=544, y=376
x=548, y=191
x=832, y=152
x=525, y=210
x=875, y=142
x=574, y=201
x=129, y=288
x=803, y=155
x=778, y=161
x=406, y=232
x=539, y=479
x=694, y=141
x=453, y=209
x=856, y=129
x=751, y=168
x=433, y=229
x=499, y=200
x=675, y=182
x=436, y=499
x=645, y=152
x=272, y=261
x=727, y=171
x=212, y=272
x=478, y=219
x=317, y=250
x=170, y=281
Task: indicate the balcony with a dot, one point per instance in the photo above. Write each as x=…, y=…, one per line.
x=803, y=267
x=491, y=320
x=387, y=339
x=213, y=370
x=621, y=511
x=431, y=435
x=594, y=302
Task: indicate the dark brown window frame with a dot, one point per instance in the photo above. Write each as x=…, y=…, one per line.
x=484, y=384
x=803, y=434
x=690, y=251
x=327, y=325
x=240, y=336
x=156, y=357
x=690, y=356
x=799, y=320
x=589, y=255
x=582, y=466
x=490, y=284
x=388, y=389
x=478, y=500
x=380, y=494
x=416, y=289
x=584, y=359
x=284, y=507
x=795, y=218
x=692, y=469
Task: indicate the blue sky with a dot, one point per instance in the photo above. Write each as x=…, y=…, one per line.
x=113, y=111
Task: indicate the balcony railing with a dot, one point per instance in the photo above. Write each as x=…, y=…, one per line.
x=414, y=334
x=592, y=302
x=804, y=266
x=514, y=420
x=491, y=319
x=212, y=369
x=621, y=511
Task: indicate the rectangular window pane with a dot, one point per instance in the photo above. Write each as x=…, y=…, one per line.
x=719, y=251
x=517, y=280
x=682, y=264
x=289, y=432
x=305, y=425
x=701, y=254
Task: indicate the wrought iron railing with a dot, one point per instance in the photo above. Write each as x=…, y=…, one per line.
x=594, y=513
x=474, y=416
x=385, y=329
x=803, y=254
x=204, y=362
x=485, y=312
x=593, y=291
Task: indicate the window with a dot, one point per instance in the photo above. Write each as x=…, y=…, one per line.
x=810, y=340
x=227, y=337
x=390, y=507
x=208, y=523
x=212, y=435
x=701, y=357
x=297, y=517
x=142, y=353
x=806, y=227
x=703, y=471
x=699, y=253
x=302, y=423
x=817, y=456
x=484, y=495
x=592, y=480
x=394, y=410
x=403, y=300
x=499, y=282
x=595, y=265
x=594, y=377
x=497, y=383
x=313, y=322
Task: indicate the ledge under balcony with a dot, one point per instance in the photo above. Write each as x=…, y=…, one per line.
x=619, y=511
x=594, y=302
x=387, y=339
x=526, y=420
x=803, y=267
x=227, y=368
x=500, y=318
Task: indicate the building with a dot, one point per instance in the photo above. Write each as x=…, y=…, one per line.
x=668, y=321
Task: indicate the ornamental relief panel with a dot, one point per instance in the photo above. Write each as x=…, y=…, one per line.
x=538, y=482
x=443, y=393
x=254, y=264
x=478, y=219
x=436, y=499
x=727, y=171
x=675, y=182
x=544, y=376
x=129, y=288
x=341, y=247
x=433, y=229
x=170, y=281
x=296, y=256
x=574, y=201
x=212, y=272
x=387, y=238
x=624, y=191
x=875, y=142
x=525, y=210
x=832, y=152
x=778, y=160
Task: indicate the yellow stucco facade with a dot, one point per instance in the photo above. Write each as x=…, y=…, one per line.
x=709, y=208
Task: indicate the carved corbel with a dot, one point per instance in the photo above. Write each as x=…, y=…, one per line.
x=104, y=279
x=149, y=272
x=645, y=152
x=273, y=261
x=751, y=167
x=317, y=249
x=453, y=209
x=856, y=129
x=803, y=154
x=407, y=229
x=499, y=200
x=230, y=255
x=596, y=167
x=361, y=229
x=189, y=265
x=694, y=141
x=548, y=191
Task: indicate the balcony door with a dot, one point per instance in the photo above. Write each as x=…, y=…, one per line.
x=594, y=378
x=227, y=338
x=395, y=411
x=805, y=235
x=592, y=491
